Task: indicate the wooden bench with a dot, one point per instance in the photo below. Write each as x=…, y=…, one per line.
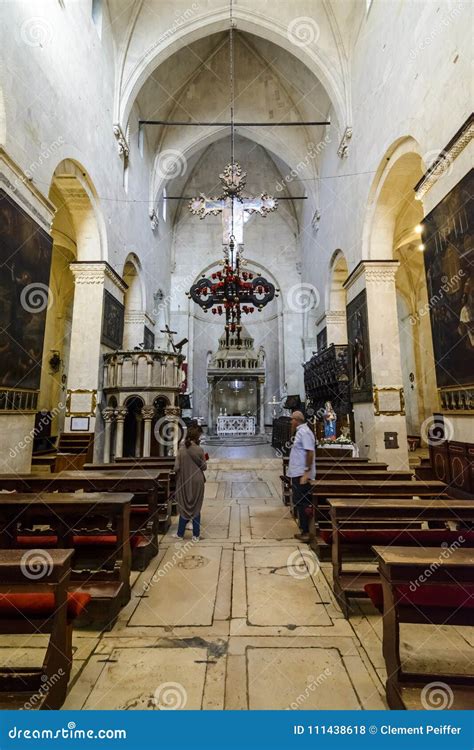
x=375, y=521
x=144, y=484
x=429, y=587
x=166, y=495
x=95, y=526
x=39, y=605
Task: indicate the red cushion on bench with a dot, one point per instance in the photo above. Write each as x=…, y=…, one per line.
x=33, y=541
x=451, y=597
x=41, y=605
x=78, y=540
x=425, y=537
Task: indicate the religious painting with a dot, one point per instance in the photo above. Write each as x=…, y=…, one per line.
x=448, y=233
x=112, y=321
x=359, y=353
x=25, y=264
x=148, y=338
x=322, y=339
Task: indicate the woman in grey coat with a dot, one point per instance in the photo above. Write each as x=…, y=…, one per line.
x=190, y=466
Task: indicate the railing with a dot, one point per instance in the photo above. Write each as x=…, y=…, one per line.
x=142, y=370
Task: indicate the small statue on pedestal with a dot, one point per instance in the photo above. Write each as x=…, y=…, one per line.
x=330, y=419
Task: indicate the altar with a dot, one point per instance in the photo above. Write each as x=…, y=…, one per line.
x=232, y=426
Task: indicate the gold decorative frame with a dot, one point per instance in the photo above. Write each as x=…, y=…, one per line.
x=90, y=413
x=388, y=412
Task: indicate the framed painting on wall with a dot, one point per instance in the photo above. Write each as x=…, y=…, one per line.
x=448, y=237
x=148, y=338
x=112, y=321
x=25, y=264
x=322, y=339
x=359, y=352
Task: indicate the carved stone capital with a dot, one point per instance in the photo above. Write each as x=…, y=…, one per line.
x=121, y=413
x=148, y=412
x=335, y=317
x=108, y=414
x=154, y=219
x=173, y=412
x=96, y=273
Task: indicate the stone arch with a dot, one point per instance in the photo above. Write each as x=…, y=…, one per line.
x=135, y=302
x=258, y=24
x=133, y=426
x=392, y=232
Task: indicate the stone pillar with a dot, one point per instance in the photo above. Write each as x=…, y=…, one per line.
x=121, y=414
x=91, y=279
x=336, y=326
x=172, y=414
x=138, y=437
x=210, y=392
x=384, y=414
x=108, y=415
x=261, y=382
x=148, y=412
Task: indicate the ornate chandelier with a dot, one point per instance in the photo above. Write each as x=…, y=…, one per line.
x=232, y=291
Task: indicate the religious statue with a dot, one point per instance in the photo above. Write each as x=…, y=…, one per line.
x=261, y=356
x=329, y=418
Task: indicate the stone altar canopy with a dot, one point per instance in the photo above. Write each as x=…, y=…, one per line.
x=236, y=377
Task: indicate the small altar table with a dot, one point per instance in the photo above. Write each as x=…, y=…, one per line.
x=235, y=426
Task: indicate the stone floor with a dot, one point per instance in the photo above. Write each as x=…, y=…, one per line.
x=244, y=619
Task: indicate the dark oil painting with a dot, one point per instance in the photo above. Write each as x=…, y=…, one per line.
x=148, y=338
x=449, y=266
x=359, y=352
x=112, y=323
x=25, y=263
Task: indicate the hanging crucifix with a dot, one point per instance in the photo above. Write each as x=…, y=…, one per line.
x=233, y=205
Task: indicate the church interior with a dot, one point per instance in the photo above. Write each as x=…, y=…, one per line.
x=214, y=215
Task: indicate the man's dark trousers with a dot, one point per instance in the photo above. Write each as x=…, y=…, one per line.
x=302, y=501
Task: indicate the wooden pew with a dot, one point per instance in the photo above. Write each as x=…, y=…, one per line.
x=423, y=585
x=40, y=605
x=96, y=526
x=358, y=522
x=144, y=484
x=166, y=495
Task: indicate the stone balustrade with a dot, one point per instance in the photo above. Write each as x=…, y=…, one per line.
x=145, y=369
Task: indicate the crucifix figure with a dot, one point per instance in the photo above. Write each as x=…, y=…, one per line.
x=170, y=335
x=233, y=204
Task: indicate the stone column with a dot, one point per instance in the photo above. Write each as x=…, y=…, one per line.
x=85, y=361
x=384, y=414
x=172, y=414
x=336, y=326
x=138, y=437
x=120, y=414
x=210, y=392
x=108, y=415
x=261, y=382
x=148, y=412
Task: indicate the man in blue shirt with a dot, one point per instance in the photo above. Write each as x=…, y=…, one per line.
x=301, y=469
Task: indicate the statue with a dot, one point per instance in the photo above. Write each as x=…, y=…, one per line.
x=261, y=356
x=330, y=418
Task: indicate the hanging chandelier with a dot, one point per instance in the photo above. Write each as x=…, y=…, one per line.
x=232, y=291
